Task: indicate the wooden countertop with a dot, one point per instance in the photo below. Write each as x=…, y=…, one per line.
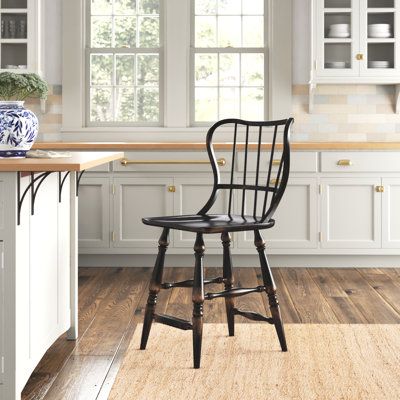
x=218, y=146
x=79, y=161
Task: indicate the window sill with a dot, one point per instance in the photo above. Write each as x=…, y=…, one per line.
x=147, y=134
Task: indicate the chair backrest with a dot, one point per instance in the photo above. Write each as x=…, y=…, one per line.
x=259, y=168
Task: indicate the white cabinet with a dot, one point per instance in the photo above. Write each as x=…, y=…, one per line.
x=296, y=218
x=336, y=49
x=191, y=195
x=356, y=39
x=94, y=212
x=379, y=38
x=391, y=213
x=35, y=276
x=351, y=213
x=2, y=317
x=334, y=200
x=21, y=30
x=134, y=199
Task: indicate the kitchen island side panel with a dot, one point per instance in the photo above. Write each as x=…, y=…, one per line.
x=36, y=276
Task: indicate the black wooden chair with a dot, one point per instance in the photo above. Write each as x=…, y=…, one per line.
x=275, y=158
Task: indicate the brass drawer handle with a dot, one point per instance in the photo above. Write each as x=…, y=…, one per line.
x=276, y=162
x=379, y=189
x=221, y=162
x=273, y=182
x=360, y=57
x=344, y=163
x=171, y=189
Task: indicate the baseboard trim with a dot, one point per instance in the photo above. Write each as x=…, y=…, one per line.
x=309, y=261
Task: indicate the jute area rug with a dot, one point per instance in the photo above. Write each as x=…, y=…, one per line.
x=355, y=362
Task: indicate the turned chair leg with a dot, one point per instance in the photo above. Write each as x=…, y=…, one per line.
x=228, y=276
x=198, y=299
x=155, y=286
x=270, y=289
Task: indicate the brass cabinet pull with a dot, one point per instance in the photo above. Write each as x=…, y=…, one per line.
x=221, y=162
x=171, y=189
x=273, y=182
x=276, y=162
x=379, y=189
x=344, y=163
x=360, y=57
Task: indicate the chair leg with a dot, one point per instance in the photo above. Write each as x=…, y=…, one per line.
x=228, y=275
x=155, y=286
x=270, y=289
x=198, y=299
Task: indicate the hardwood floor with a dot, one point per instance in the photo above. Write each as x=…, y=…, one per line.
x=112, y=300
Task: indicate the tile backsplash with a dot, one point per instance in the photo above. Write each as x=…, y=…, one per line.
x=341, y=113
x=50, y=120
x=346, y=113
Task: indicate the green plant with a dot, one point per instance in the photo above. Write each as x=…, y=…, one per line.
x=21, y=86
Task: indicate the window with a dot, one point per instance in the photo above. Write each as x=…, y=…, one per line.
x=124, y=62
x=229, y=60
x=165, y=68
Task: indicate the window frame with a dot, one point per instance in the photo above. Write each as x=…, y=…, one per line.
x=221, y=50
x=117, y=51
x=176, y=76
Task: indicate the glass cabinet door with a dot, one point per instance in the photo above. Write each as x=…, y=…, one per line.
x=337, y=37
x=379, y=37
x=14, y=35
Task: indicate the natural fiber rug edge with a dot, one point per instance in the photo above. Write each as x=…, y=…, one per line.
x=332, y=362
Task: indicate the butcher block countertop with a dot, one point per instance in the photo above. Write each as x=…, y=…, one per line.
x=79, y=161
x=124, y=146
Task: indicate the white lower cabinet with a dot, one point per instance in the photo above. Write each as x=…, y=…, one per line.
x=351, y=213
x=391, y=213
x=296, y=218
x=191, y=195
x=134, y=199
x=94, y=212
x=334, y=200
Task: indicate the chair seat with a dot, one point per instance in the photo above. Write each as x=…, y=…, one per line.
x=216, y=223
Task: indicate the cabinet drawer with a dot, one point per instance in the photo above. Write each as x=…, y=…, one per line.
x=179, y=161
x=360, y=162
x=299, y=161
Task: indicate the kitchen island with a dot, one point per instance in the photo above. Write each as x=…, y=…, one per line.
x=38, y=259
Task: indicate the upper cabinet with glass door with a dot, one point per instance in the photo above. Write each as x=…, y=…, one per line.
x=20, y=36
x=355, y=41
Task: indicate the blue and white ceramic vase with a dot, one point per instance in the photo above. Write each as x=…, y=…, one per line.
x=18, y=129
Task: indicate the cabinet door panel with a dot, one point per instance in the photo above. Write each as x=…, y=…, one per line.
x=136, y=198
x=296, y=218
x=94, y=212
x=351, y=213
x=43, y=268
x=391, y=213
x=334, y=45
x=191, y=195
x=377, y=44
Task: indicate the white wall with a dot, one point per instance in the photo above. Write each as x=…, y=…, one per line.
x=52, y=41
x=301, y=41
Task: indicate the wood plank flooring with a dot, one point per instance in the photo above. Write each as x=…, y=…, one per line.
x=112, y=301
